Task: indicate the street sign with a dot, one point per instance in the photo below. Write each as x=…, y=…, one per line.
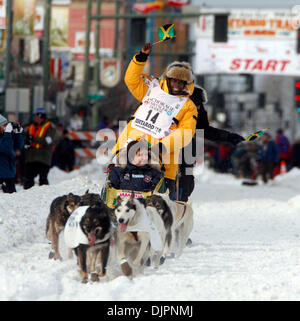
x=96, y=97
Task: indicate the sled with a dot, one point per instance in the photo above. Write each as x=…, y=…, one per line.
x=110, y=194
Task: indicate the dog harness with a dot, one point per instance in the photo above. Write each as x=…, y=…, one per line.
x=184, y=208
x=146, y=225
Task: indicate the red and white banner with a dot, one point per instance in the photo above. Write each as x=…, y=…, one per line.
x=246, y=56
x=178, y=3
x=259, y=42
x=148, y=7
x=60, y=64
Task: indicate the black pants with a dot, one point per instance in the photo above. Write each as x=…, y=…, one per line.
x=7, y=185
x=171, y=185
x=266, y=170
x=186, y=185
x=32, y=170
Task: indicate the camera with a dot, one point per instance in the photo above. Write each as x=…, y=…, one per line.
x=15, y=125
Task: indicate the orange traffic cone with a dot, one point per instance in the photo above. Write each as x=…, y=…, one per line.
x=283, y=169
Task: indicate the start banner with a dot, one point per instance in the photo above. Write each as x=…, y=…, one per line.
x=247, y=56
x=259, y=42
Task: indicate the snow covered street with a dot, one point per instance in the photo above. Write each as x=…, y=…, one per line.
x=245, y=245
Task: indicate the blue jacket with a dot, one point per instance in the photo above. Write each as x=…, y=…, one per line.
x=143, y=178
x=269, y=153
x=8, y=144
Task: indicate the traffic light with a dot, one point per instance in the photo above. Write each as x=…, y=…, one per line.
x=297, y=96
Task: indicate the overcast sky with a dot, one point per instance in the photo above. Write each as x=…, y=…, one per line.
x=246, y=3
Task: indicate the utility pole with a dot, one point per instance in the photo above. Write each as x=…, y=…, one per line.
x=86, y=81
x=46, y=52
x=97, y=67
x=117, y=10
x=8, y=46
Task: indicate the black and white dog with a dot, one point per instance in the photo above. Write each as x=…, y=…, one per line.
x=183, y=222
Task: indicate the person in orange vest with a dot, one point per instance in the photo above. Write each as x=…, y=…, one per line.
x=38, y=149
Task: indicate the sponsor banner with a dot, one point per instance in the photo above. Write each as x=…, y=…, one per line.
x=128, y=194
x=259, y=42
x=247, y=57
x=253, y=24
x=59, y=27
x=24, y=17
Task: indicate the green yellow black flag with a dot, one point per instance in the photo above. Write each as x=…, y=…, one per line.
x=166, y=32
x=256, y=134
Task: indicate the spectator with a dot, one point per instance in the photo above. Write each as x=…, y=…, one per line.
x=295, y=158
x=283, y=144
x=38, y=149
x=223, y=158
x=284, y=149
x=11, y=139
x=268, y=157
x=64, y=153
x=244, y=160
x=105, y=123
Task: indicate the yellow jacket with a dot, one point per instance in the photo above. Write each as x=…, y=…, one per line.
x=136, y=82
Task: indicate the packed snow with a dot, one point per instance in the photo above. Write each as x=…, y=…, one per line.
x=245, y=245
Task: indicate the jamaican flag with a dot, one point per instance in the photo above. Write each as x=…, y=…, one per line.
x=166, y=32
x=256, y=134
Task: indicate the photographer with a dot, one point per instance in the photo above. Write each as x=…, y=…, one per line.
x=11, y=139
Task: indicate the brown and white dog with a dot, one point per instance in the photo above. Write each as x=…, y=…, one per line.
x=136, y=229
x=60, y=210
x=88, y=232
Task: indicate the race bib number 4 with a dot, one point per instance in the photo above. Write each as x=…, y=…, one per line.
x=155, y=115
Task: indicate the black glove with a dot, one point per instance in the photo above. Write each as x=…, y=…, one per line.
x=235, y=138
x=27, y=141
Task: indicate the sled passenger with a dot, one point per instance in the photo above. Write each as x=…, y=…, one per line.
x=166, y=117
x=137, y=174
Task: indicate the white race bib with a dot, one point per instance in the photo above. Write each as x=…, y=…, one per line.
x=155, y=115
x=73, y=234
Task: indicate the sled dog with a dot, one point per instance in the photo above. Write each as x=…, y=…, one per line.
x=60, y=210
x=136, y=229
x=183, y=220
x=162, y=208
x=88, y=232
x=90, y=199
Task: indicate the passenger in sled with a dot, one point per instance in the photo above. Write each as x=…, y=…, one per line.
x=137, y=169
